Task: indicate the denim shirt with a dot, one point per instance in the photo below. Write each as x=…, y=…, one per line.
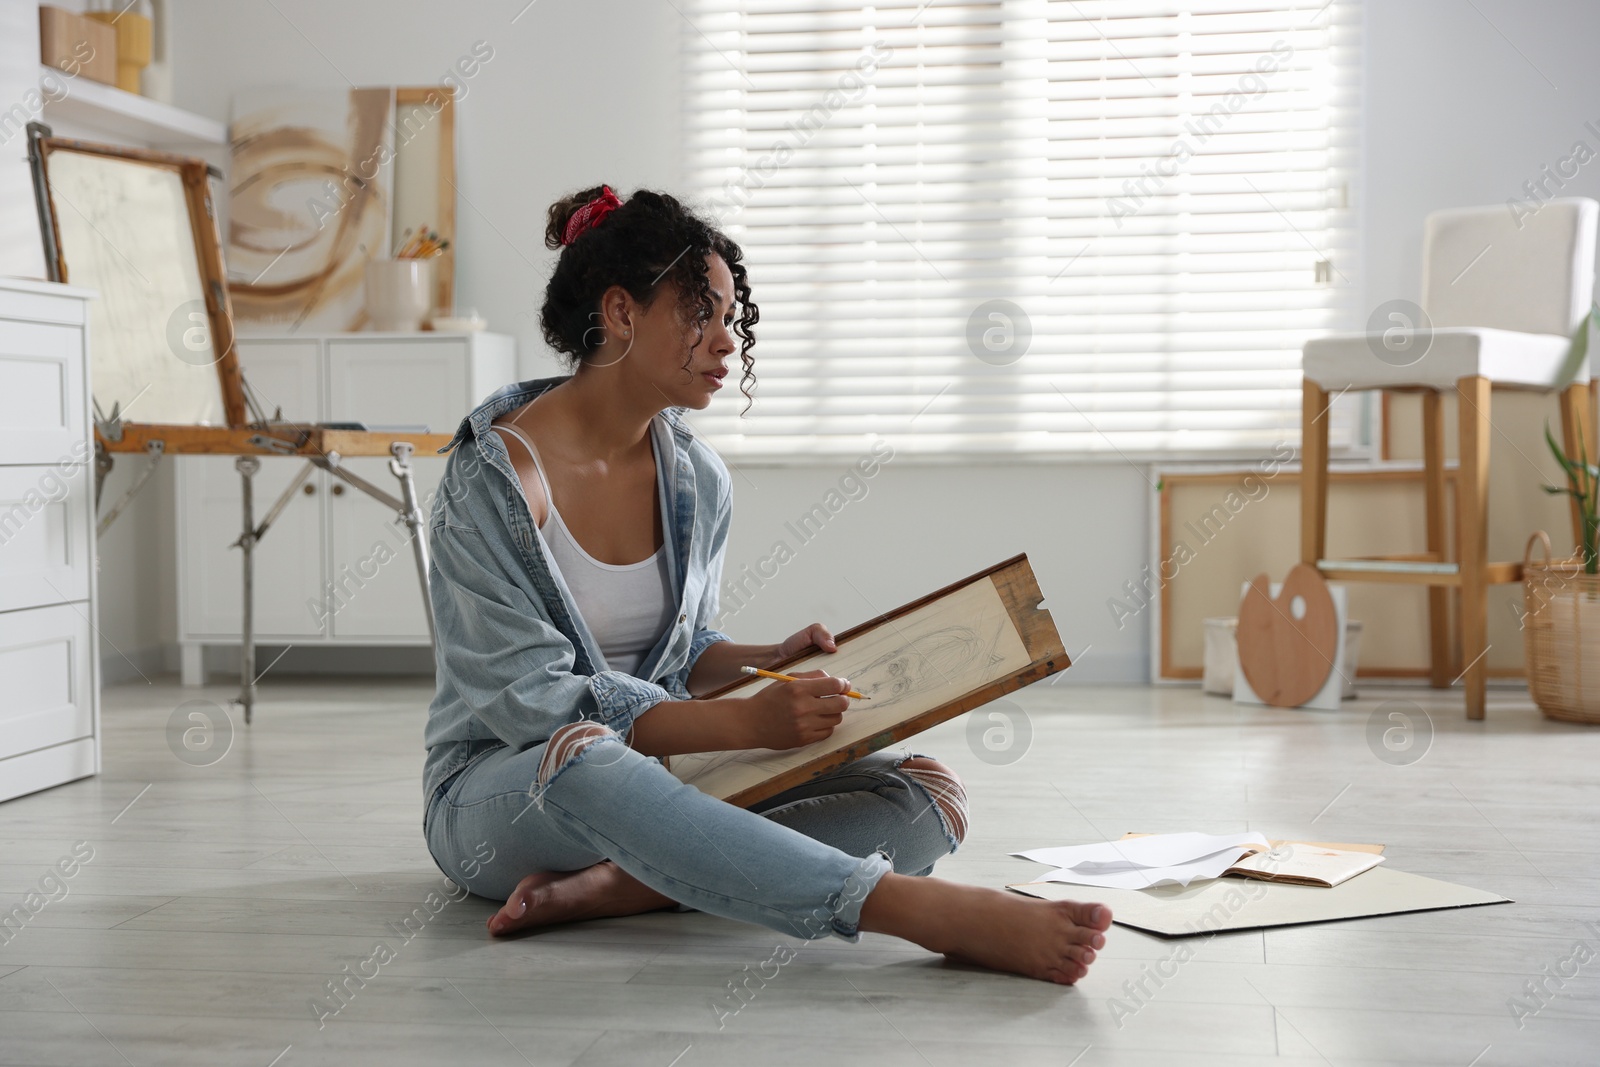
x=515, y=660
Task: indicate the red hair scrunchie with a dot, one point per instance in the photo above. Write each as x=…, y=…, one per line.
x=589, y=215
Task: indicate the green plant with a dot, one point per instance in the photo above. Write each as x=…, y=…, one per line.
x=1583, y=478
x=1578, y=349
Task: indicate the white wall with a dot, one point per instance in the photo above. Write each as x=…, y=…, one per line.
x=920, y=527
x=579, y=93
x=1457, y=117
x=20, y=252
x=558, y=108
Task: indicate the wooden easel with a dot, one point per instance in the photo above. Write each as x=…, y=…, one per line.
x=248, y=434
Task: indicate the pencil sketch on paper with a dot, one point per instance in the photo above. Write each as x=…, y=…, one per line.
x=928, y=662
x=905, y=666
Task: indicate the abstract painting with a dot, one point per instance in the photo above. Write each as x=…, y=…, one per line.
x=311, y=193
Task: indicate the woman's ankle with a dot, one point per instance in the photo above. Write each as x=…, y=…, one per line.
x=911, y=908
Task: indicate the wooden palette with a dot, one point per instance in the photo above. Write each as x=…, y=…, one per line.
x=1287, y=659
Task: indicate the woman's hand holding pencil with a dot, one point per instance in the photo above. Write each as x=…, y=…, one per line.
x=799, y=710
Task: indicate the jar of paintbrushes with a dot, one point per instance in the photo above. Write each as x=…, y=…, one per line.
x=399, y=293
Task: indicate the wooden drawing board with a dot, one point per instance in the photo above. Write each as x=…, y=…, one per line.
x=925, y=662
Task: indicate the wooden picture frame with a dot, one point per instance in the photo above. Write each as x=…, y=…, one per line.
x=1012, y=580
x=1264, y=536
x=1169, y=666
x=425, y=158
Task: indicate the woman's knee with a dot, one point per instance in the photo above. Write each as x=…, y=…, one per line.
x=944, y=789
x=567, y=746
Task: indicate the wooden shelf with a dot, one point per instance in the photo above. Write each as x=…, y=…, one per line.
x=128, y=116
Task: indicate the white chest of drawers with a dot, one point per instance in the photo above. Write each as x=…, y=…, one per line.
x=49, y=670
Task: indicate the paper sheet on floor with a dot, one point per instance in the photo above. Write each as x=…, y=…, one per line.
x=1142, y=862
x=1230, y=904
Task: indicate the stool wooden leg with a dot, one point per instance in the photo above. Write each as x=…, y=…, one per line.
x=1314, y=420
x=1472, y=522
x=1577, y=426
x=1440, y=673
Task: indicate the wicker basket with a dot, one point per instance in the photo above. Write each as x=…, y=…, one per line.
x=1561, y=628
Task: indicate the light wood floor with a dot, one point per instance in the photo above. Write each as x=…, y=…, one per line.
x=219, y=903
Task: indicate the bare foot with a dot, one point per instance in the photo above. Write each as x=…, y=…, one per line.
x=566, y=896
x=1052, y=940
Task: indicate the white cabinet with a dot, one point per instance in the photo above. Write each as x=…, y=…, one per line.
x=284, y=376
x=375, y=591
x=49, y=673
x=336, y=567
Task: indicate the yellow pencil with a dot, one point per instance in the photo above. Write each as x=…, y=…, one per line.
x=792, y=678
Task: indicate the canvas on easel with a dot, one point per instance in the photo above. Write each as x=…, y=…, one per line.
x=921, y=664
x=162, y=345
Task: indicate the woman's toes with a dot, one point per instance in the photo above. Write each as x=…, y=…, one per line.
x=1091, y=915
x=1086, y=936
x=518, y=910
x=1068, y=973
x=507, y=917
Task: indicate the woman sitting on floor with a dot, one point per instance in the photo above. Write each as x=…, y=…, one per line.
x=578, y=542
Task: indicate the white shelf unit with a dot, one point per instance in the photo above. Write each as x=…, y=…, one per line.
x=336, y=567
x=122, y=115
x=49, y=667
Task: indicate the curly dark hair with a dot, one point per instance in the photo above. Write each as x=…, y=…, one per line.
x=652, y=237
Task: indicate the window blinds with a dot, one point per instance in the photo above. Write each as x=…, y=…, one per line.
x=1026, y=228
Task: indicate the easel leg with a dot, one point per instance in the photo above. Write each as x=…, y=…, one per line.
x=247, y=466
x=400, y=467
x=103, y=463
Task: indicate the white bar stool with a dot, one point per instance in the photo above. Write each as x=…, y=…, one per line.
x=1501, y=295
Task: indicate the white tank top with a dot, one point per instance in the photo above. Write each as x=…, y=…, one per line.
x=626, y=606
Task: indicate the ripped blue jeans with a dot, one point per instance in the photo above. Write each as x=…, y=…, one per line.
x=800, y=863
